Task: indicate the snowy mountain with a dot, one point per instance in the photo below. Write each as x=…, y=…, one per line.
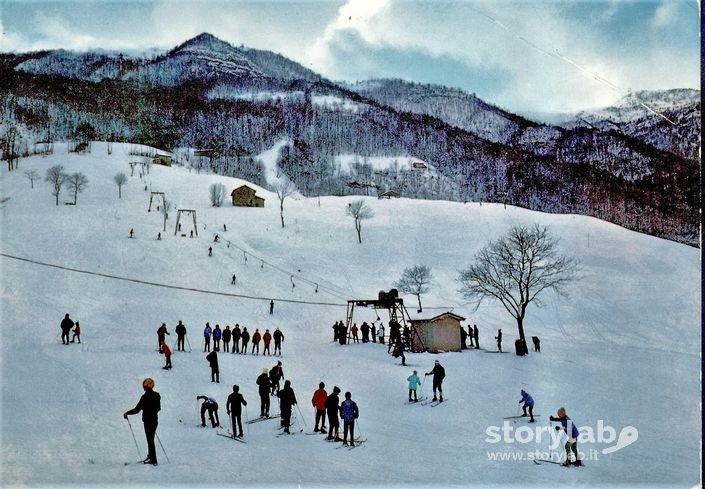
x=237, y=102
x=621, y=353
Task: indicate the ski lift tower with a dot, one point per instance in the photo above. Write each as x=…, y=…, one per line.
x=394, y=305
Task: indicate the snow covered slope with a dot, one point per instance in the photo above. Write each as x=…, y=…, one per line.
x=623, y=350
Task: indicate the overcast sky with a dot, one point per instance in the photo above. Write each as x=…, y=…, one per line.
x=522, y=55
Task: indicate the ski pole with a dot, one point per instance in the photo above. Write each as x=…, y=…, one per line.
x=188, y=343
x=302, y=416
x=160, y=444
x=247, y=419
x=232, y=426
x=133, y=437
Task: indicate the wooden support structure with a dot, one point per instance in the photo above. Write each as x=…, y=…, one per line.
x=178, y=219
x=151, y=198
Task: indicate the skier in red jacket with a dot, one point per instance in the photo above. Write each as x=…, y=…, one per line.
x=319, y=402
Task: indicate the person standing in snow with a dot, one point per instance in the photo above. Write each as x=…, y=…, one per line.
x=263, y=387
x=287, y=400
x=217, y=335
x=349, y=412
x=319, y=403
x=278, y=338
x=499, y=340
x=150, y=405
x=354, y=330
x=275, y=375
x=399, y=351
x=234, y=408
x=380, y=333
x=245, y=340
x=180, y=336
x=476, y=334
x=267, y=339
x=76, y=333
x=212, y=358
x=336, y=328
x=365, y=330
x=572, y=431
x=414, y=382
x=210, y=405
x=227, y=334
x=237, y=334
x=470, y=336
x=528, y=403
x=161, y=335
x=537, y=343
x=207, y=331
x=271, y=306
x=439, y=374
x=167, y=355
x=256, y=337
x=66, y=325
x=332, y=408
x=463, y=339
x=373, y=332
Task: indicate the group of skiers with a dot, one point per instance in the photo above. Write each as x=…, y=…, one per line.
x=241, y=338
x=329, y=405
x=367, y=331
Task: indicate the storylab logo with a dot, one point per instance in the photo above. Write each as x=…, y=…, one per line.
x=602, y=434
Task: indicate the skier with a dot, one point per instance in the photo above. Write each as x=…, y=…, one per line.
x=365, y=330
x=236, y=338
x=349, y=412
x=394, y=334
x=149, y=404
x=161, y=335
x=414, y=383
x=212, y=358
x=132, y=232
x=263, y=389
x=373, y=332
x=210, y=405
x=227, y=334
x=470, y=336
x=234, y=408
x=267, y=339
x=66, y=325
x=255, y=341
x=271, y=307
x=217, y=334
x=234, y=282
x=245, y=340
x=463, y=339
x=537, y=343
x=278, y=338
x=207, y=331
x=210, y=251
x=476, y=334
x=167, y=355
x=276, y=373
x=399, y=351
x=319, y=403
x=180, y=336
x=336, y=328
x=76, y=333
x=354, y=330
x=287, y=400
x=332, y=407
x=342, y=333
x=499, y=340
x=380, y=333
x=572, y=431
x=528, y=403
x=439, y=374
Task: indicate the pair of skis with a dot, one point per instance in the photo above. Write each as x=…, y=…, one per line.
x=433, y=403
x=230, y=435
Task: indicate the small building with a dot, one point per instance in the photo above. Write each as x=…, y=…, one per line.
x=164, y=160
x=389, y=194
x=244, y=196
x=438, y=334
x=204, y=153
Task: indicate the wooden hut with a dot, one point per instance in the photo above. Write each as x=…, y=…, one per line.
x=161, y=159
x=440, y=333
x=244, y=196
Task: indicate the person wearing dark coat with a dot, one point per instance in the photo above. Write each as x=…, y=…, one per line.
x=217, y=335
x=278, y=338
x=463, y=339
x=234, y=408
x=332, y=407
x=263, y=388
x=150, y=405
x=180, y=336
x=399, y=351
x=237, y=334
x=66, y=325
x=210, y=405
x=161, y=335
x=287, y=400
x=365, y=330
x=245, y=339
x=275, y=375
x=499, y=340
x=349, y=412
x=212, y=358
x=373, y=332
x=470, y=336
x=439, y=373
x=537, y=343
x=476, y=334
x=227, y=334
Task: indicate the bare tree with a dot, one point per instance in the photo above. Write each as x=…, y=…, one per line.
x=56, y=177
x=77, y=182
x=11, y=147
x=515, y=269
x=32, y=175
x=359, y=211
x=415, y=280
x=217, y=193
x=283, y=189
x=120, y=179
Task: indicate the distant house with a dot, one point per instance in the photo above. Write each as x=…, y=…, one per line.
x=438, y=334
x=244, y=196
x=164, y=160
x=389, y=194
x=418, y=165
x=204, y=153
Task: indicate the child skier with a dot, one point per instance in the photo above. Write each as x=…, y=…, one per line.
x=414, y=382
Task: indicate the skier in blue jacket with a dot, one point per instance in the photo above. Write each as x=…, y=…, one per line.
x=528, y=403
x=349, y=413
x=207, y=337
x=572, y=431
x=414, y=382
